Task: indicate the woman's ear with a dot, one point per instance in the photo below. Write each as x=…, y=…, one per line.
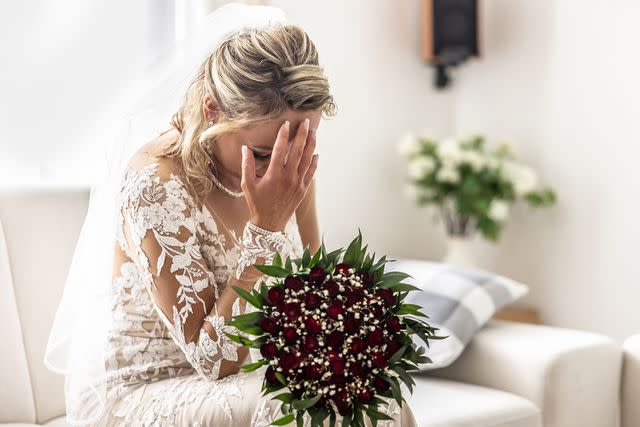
x=210, y=109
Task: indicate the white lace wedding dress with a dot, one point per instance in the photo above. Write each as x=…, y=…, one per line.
x=172, y=262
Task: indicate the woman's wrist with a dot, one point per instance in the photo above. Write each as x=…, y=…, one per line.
x=258, y=244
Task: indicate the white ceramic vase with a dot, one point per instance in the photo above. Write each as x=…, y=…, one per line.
x=460, y=250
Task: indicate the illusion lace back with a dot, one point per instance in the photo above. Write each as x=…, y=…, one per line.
x=171, y=264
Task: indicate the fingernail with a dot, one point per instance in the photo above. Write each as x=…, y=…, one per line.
x=306, y=124
x=286, y=125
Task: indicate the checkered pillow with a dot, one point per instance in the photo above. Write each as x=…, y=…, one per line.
x=458, y=301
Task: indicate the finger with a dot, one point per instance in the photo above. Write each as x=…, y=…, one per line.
x=247, y=181
x=293, y=160
x=280, y=148
x=311, y=171
x=307, y=154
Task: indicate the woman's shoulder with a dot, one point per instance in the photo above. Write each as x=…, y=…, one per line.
x=149, y=168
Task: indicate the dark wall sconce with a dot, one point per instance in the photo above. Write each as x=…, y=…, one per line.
x=450, y=35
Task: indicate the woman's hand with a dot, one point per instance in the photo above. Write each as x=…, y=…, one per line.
x=276, y=196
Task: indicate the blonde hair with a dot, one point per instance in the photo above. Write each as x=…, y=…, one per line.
x=252, y=77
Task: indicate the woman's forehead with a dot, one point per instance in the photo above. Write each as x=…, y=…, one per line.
x=264, y=135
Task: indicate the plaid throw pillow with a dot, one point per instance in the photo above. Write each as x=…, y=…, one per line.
x=458, y=300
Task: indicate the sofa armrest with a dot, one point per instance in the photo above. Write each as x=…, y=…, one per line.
x=631, y=382
x=572, y=376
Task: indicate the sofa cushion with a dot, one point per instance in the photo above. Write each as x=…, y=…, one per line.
x=631, y=382
x=458, y=300
x=443, y=403
x=16, y=394
x=41, y=230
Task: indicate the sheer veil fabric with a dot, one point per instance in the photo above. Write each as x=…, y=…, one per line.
x=76, y=345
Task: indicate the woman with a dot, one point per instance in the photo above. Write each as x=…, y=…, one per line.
x=229, y=184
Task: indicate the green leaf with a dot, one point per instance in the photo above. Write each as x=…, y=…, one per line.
x=391, y=278
x=284, y=397
x=305, y=403
x=281, y=378
x=277, y=260
x=283, y=420
x=247, y=319
x=272, y=270
x=251, y=298
x=287, y=263
x=353, y=250
x=402, y=287
x=315, y=259
x=253, y=366
x=398, y=354
x=306, y=257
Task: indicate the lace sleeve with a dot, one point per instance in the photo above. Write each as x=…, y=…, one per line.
x=161, y=228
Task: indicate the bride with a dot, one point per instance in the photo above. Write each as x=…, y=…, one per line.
x=228, y=184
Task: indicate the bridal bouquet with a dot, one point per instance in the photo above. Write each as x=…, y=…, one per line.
x=334, y=334
x=471, y=182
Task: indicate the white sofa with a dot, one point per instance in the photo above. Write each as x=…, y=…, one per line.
x=511, y=375
x=631, y=382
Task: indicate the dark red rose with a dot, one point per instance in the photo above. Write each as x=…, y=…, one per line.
x=380, y=384
x=357, y=369
x=335, y=309
x=295, y=283
x=342, y=269
x=297, y=393
x=313, y=372
x=357, y=345
x=379, y=360
x=335, y=338
x=275, y=296
x=270, y=374
x=336, y=365
x=310, y=344
x=392, y=347
x=332, y=287
x=351, y=324
x=388, y=298
x=269, y=350
x=313, y=326
x=366, y=396
x=375, y=337
x=311, y=300
x=269, y=325
x=338, y=380
x=342, y=401
x=355, y=296
x=290, y=334
x=288, y=361
x=367, y=278
x=317, y=275
x=393, y=324
x=375, y=310
x=292, y=310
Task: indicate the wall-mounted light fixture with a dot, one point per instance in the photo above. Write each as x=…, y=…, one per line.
x=450, y=35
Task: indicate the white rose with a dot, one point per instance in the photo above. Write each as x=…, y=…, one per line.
x=449, y=150
x=448, y=173
x=421, y=166
x=523, y=178
x=498, y=210
x=408, y=145
x=474, y=159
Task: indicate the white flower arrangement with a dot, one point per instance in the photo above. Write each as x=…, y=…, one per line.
x=473, y=185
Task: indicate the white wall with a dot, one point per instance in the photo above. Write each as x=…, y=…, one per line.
x=371, y=53
x=561, y=79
